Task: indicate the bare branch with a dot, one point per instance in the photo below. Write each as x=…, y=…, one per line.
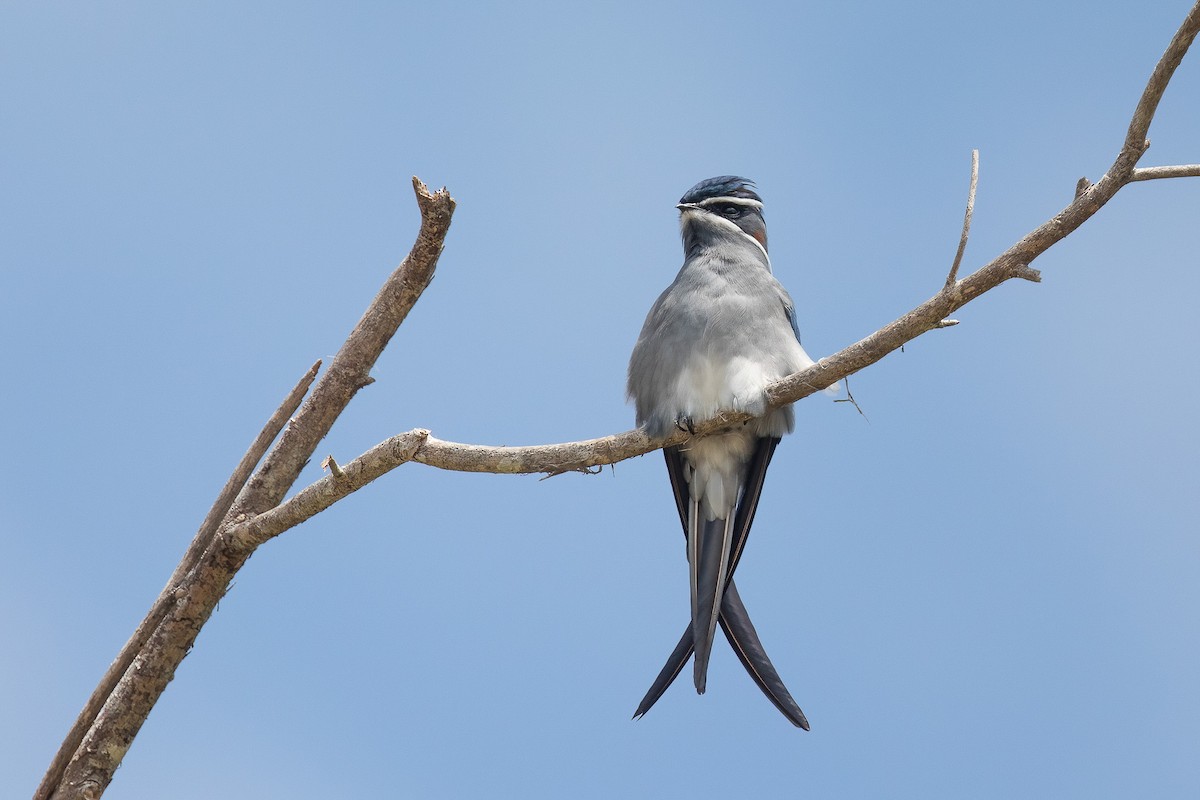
x=1143, y=115
x=203, y=538
x=351, y=367
x=933, y=314
x=253, y=455
x=315, y=498
x=169, y=637
x=1177, y=171
x=966, y=227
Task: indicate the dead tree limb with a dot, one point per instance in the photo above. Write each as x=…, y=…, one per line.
x=112, y=718
x=158, y=611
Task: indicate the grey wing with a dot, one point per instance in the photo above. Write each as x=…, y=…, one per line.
x=789, y=308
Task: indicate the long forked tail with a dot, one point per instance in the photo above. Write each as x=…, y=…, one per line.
x=734, y=619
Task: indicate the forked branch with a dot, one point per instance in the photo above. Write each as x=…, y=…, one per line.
x=109, y=722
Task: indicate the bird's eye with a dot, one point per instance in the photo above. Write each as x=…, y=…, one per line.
x=730, y=210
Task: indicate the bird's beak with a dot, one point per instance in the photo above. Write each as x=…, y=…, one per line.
x=687, y=207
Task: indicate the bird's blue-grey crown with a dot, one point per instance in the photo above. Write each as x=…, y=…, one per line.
x=714, y=203
x=722, y=186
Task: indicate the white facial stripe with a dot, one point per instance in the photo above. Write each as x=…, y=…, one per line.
x=736, y=201
x=718, y=219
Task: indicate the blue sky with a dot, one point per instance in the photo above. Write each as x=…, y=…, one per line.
x=990, y=589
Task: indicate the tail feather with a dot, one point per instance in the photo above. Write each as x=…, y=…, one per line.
x=710, y=573
x=670, y=671
x=743, y=638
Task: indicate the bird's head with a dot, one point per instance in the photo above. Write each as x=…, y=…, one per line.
x=717, y=206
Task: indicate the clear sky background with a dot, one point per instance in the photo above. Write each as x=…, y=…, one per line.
x=989, y=589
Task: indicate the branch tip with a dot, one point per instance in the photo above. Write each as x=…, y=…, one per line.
x=966, y=226
x=426, y=199
x=1026, y=272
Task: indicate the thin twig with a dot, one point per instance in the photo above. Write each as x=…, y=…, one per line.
x=966, y=226
x=849, y=398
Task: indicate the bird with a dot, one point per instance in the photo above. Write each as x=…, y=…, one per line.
x=713, y=340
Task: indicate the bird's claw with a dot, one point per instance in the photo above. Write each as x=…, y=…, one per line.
x=685, y=423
